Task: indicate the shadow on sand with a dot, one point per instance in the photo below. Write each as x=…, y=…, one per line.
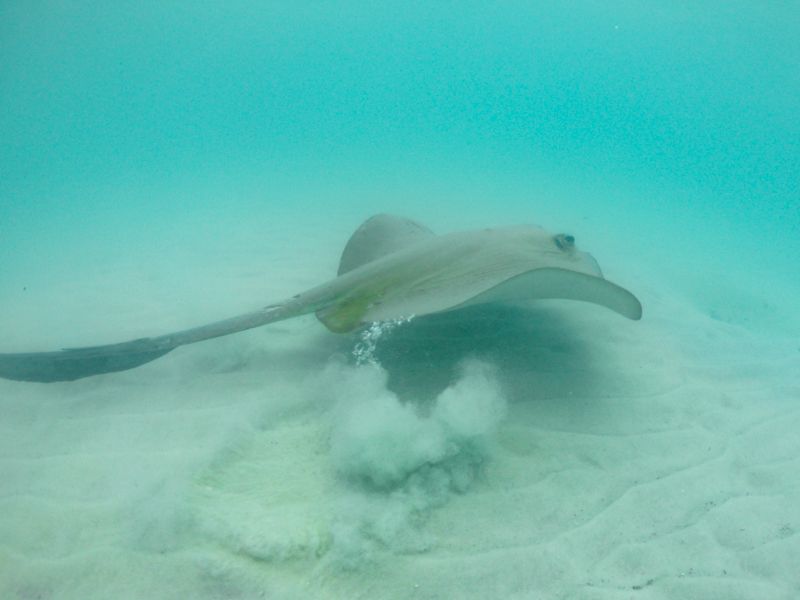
x=538, y=352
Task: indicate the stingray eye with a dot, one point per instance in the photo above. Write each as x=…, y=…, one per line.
x=564, y=241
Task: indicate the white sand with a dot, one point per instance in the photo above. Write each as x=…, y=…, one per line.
x=583, y=456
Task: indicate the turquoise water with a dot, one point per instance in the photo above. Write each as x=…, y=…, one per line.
x=137, y=109
x=166, y=164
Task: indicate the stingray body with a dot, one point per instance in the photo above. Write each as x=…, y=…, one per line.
x=391, y=268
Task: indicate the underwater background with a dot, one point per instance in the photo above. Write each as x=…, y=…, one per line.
x=167, y=164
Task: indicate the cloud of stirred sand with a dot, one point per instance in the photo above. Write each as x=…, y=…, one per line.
x=396, y=461
x=355, y=479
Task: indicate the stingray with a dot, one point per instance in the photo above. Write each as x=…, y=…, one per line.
x=391, y=268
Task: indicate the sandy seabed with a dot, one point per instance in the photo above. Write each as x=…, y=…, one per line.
x=549, y=451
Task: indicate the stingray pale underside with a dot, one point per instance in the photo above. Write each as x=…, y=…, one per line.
x=391, y=268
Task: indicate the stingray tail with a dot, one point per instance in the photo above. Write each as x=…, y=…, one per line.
x=75, y=363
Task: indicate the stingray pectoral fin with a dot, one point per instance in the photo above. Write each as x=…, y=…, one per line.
x=379, y=236
x=76, y=363
x=565, y=284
